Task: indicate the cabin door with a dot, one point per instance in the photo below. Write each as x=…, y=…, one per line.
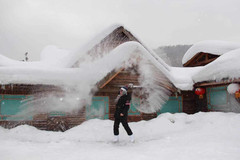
x=98, y=109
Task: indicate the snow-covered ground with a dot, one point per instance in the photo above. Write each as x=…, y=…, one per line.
x=203, y=136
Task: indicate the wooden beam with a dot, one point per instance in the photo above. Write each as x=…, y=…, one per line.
x=204, y=84
x=111, y=78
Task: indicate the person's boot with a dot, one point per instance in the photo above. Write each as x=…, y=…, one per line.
x=116, y=139
x=131, y=137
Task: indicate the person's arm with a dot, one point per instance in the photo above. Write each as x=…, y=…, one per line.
x=126, y=107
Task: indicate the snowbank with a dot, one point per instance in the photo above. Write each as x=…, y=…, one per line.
x=169, y=136
x=211, y=46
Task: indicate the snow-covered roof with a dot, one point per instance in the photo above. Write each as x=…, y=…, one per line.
x=225, y=66
x=91, y=72
x=55, y=65
x=51, y=56
x=210, y=46
x=74, y=56
x=55, y=61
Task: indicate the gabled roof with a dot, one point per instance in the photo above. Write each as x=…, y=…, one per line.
x=102, y=83
x=200, y=59
x=209, y=47
x=111, y=40
x=226, y=67
x=104, y=43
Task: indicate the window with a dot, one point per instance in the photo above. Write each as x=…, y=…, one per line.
x=12, y=107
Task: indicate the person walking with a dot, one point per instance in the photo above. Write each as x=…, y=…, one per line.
x=121, y=114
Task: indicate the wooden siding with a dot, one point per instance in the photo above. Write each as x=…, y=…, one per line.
x=225, y=81
x=26, y=89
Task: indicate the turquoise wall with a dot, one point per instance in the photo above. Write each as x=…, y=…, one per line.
x=173, y=105
x=217, y=98
x=11, y=106
x=98, y=109
x=135, y=102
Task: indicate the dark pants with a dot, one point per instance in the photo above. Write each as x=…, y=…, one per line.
x=124, y=122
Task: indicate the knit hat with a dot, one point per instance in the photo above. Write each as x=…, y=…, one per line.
x=124, y=89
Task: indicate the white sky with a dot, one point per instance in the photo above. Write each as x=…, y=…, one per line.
x=30, y=25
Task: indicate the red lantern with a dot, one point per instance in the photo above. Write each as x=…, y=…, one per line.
x=237, y=94
x=200, y=92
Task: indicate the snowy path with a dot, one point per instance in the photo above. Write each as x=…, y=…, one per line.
x=170, y=136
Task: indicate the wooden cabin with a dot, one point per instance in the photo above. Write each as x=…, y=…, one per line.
x=216, y=96
x=13, y=96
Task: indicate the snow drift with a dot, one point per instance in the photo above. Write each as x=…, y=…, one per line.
x=169, y=136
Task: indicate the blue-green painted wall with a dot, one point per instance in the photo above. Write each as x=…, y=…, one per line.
x=12, y=105
x=98, y=109
x=218, y=99
x=173, y=105
x=135, y=102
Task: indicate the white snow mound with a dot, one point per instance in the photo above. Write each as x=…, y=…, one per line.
x=169, y=136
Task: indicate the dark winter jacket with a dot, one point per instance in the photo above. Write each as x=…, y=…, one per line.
x=122, y=106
